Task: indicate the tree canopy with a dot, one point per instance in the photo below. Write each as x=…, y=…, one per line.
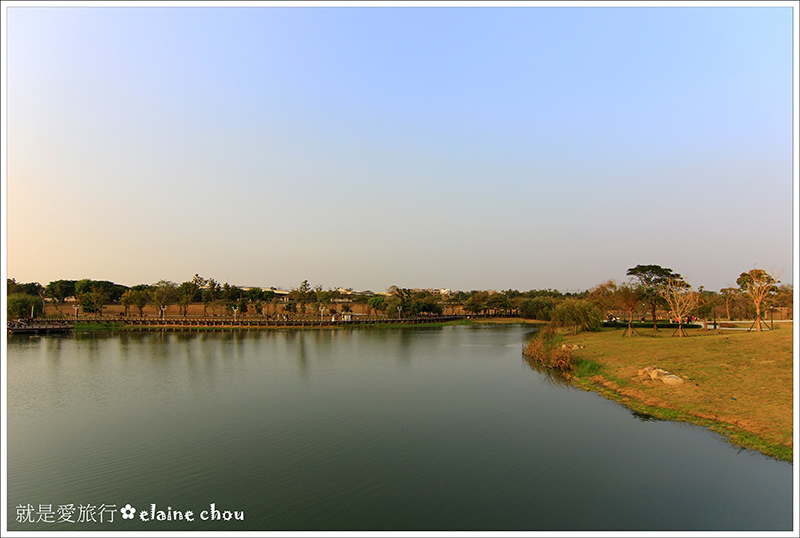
x=652, y=279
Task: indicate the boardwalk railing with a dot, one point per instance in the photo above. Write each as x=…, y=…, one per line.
x=245, y=321
x=37, y=326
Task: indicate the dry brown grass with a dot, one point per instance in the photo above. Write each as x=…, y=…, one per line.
x=736, y=378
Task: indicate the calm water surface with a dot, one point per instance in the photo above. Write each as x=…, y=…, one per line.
x=389, y=429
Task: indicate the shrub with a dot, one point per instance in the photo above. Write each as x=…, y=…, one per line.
x=544, y=350
x=578, y=313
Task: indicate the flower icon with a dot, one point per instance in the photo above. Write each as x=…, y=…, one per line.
x=127, y=511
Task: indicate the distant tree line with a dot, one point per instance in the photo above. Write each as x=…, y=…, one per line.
x=649, y=290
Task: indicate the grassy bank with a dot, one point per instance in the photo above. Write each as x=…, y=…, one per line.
x=81, y=326
x=736, y=383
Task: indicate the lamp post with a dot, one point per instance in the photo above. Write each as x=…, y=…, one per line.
x=76, y=307
x=399, y=309
x=163, y=308
x=235, y=311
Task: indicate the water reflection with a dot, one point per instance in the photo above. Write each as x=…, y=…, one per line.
x=556, y=378
x=396, y=429
x=644, y=417
x=302, y=358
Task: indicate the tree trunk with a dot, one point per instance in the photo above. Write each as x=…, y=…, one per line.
x=653, y=306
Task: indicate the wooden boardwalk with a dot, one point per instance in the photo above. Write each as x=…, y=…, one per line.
x=246, y=322
x=38, y=326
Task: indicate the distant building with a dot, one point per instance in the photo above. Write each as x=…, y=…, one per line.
x=434, y=291
x=283, y=296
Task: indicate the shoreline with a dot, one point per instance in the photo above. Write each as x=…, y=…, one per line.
x=736, y=384
x=731, y=433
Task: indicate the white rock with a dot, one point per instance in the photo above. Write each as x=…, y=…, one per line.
x=658, y=373
x=672, y=379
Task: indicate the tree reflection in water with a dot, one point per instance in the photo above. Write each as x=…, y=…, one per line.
x=558, y=378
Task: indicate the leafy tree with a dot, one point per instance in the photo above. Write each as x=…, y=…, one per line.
x=210, y=295
x=302, y=295
x=187, y=292
x=20, y=305
x=477, y=302
x=208, y=299
x=426, y=305
x=458, y=299
x=127, y=300
x=577, y=313
x=305, y=291
x=759, y=285
x=324, y=298
x=537, y=308
x=93, y=295
x=254, y=294
x=140, y=297
x=231, y=293
x=58, y=290
x=94, y=300
x=400, y=298
x=652, y=279
x=164, y=294
x=377, y=303
x=554, y=294
x=213, y=287
x=111, y=291
x=512, y=294
x=30, y=288
x=12, y=287
x=498, y=302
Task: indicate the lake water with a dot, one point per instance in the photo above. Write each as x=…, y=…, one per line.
x=436, y=429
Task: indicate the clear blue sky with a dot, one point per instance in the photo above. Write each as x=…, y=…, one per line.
x=457, y=147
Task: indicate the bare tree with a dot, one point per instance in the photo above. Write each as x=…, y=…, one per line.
x=729, y=294
x=681, y=299
x=759, y=285
x=629, y=296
